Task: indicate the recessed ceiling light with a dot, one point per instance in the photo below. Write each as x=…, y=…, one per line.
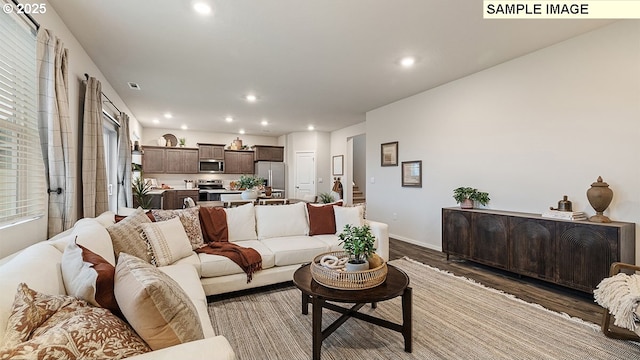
x=251, y=98
x=168, y=115
x=264, y=123
x=183, y=127
x=156, y=121
x=310, y=128
x=408, y=61
x=241, y=131
x=202, y=8
x=228, y=119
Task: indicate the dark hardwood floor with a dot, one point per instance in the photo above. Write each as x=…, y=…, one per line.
x=552, y=297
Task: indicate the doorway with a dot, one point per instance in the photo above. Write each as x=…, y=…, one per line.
x=305, y=174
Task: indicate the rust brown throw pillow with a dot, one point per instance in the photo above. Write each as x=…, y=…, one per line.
x=322, y=219
x=117, y=218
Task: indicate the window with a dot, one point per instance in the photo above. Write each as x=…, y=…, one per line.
x=23, y=193
x=110, y=137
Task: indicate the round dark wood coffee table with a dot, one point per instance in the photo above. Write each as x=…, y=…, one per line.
x=396, y=284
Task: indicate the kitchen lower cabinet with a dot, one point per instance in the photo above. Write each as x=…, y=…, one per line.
x=575, y=254
x=174, y=199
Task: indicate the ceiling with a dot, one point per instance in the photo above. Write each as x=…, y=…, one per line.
x=314, y=62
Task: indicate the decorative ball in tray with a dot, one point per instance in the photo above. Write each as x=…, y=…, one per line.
x=346, y=280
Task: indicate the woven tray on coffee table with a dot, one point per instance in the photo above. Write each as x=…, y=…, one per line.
x=347, y=280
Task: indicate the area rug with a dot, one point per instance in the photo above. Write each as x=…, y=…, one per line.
x=453, y=318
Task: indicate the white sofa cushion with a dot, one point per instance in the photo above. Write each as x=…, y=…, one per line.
x=348, y=215
x=241, y=223
x=91, y=234
x=168, y=240
x=188, y=279
x=295, y=249
x=216, y=265
x=282, y=220
x=38, y=266
x=332, y=241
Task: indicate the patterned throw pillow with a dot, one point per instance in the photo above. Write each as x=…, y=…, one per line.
x=62, y=327
x=168, y=241
x=154, y=304
x=126, y=236
x=190, y=221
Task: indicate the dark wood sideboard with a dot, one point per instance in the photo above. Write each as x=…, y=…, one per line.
x=575, y=254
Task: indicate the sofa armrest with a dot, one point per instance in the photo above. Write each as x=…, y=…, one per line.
x=381, y=232
x=213, y=348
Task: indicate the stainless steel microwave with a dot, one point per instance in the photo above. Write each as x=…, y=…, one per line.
x=211, y=166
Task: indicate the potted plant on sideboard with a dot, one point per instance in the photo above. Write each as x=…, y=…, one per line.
x=358, y=242
x=465, y=196
x=248, y=183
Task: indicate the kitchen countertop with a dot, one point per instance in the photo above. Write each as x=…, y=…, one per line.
x=160, y=191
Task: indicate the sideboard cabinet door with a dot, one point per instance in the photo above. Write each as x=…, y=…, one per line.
x=489, y=243
x=585, y=254
x=533, y=247
x=456, y=232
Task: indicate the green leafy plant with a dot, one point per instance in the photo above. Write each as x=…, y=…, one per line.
x=358, y=242
x=463, y=193
x=141, y=191
x=182, y=141
x=325, y=198
x=248, y=182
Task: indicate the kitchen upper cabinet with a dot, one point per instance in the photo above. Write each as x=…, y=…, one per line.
x=153, y=160
x=268, y=153
x=181, y=161
x=168, y=160
x=211, y=151
x=238, y=162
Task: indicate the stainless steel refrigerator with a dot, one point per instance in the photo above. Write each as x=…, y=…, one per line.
x=273, y=172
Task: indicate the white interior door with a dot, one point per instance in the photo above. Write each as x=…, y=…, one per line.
x=305, y=174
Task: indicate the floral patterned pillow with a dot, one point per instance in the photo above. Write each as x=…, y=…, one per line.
x=190, y=221
x=62, y=327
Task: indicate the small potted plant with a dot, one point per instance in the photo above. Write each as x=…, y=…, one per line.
x=248, y=183
x=358, y=242
x=182, y=142
x=141, y=190
x=326, y=198
x=465, y=196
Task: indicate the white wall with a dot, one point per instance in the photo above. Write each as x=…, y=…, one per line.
x=340, y=145
x=527, y=131
x=309, y=141
x=80, y=63
x=360, y=162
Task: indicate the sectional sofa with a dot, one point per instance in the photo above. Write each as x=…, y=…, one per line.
x=286, y=236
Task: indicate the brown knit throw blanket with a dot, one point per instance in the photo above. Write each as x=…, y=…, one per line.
x=213, y=222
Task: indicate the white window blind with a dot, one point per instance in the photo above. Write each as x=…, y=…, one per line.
x=23, y=192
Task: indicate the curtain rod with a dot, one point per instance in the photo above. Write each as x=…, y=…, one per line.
x=28, y=16
x=105, y=96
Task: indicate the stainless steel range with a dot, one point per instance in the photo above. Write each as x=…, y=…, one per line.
x=205, y=185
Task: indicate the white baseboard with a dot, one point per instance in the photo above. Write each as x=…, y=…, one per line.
x=415, y=242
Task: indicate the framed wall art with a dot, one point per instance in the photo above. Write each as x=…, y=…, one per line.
x=389, y=154
x=338, y=165
x=412, y=173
